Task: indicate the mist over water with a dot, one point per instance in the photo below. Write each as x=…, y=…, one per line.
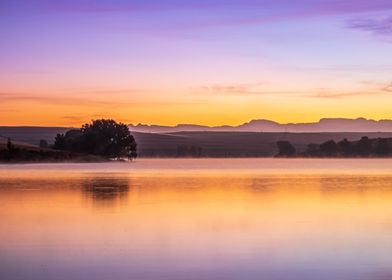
x=197, y=219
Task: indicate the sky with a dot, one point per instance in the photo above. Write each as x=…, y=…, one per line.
x=212, y=62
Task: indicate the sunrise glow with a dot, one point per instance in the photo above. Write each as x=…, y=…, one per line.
x=205, y=62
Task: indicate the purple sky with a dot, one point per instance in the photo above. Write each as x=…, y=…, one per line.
x=194, y=61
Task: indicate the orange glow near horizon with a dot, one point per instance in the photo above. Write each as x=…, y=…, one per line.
x=214, y=111
x=64, y=64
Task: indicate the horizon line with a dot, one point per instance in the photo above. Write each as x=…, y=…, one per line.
x=203, y=125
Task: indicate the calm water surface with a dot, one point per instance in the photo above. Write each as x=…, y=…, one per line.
x=197, y=219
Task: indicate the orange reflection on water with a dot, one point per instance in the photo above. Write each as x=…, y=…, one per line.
x=188, y=226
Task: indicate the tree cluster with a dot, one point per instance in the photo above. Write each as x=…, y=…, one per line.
x=365, y=147
x=286, y=149
x=185, y=151
x=15, y=153
x=105, y=138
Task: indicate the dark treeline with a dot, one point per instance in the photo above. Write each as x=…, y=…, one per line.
x=365, y=147
x=97, y=141
x=185, y=151
x=105, y=138
x=13, y=154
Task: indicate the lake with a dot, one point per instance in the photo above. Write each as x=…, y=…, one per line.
x=197, y=219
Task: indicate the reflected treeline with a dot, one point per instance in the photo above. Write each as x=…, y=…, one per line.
x=106, y=190
x=263, y=185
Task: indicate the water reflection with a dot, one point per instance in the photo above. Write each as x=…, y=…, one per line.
x=210, y=226
x=105, y=191
x=340, y=184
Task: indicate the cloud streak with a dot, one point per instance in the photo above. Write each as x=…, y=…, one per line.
x=219, y=13
x=230, y=89
x=388, y=88
x=379, y=90
x=89, y=101
x=379, y=27
x=159, y=5
x=55, y=100
x=242, y=89
x=328, y=95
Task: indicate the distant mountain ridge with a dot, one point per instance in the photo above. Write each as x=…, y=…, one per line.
x=261, y=125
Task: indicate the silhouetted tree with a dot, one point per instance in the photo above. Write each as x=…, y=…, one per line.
x=345, y=147
x=379, y=147
x=59, y=142
x=101, y=137
x=72, y=140
x=364, y=146
x=313, y=150
x=329, y=148
x=286, y=149
x=382, y=147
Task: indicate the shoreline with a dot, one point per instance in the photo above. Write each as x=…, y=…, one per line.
x=95, y=159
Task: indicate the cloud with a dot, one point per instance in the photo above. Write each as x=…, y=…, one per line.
x=159, y=5
x=362, y=68
x=366, y=88
x=108, y=102
x=55, y=100
x=388, y=88
x=74, y=118
x=379, y=27
x=339, y=95
x=79, y=118
x=217, y=13
x=376, y=90
x=231, y=89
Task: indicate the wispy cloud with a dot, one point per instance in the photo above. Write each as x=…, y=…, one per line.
x=244, y=90
x=380, y=27
x=388, y=88
x=79, y=118
x=159, y=5
x=230, y=89
x=106, y=102
x=339, y=95
x=219, y=13
x=375, y=89
x=74, y=118
x=367, y=88
x=54, y=99
x=361, y=68
x=108, y=91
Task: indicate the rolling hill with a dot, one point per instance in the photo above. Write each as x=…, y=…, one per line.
x=323, y=125
x=207, y=144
